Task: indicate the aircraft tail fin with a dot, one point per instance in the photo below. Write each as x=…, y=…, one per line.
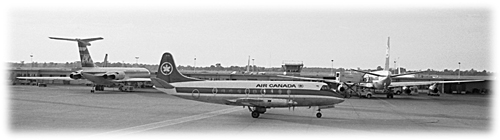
x=105, y=63
x=85, y=58
x=168, y=72
x=387, y=54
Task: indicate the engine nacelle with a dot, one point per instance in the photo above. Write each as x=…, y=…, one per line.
x=433, y=88
x=76, y=75
x=114, y=75
x=341, y=88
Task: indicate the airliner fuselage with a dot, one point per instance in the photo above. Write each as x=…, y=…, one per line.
x=257, y=93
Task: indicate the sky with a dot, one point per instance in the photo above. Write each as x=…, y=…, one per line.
x=421, y=37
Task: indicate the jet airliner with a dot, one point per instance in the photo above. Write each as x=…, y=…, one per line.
x=100, y=76
x=382, y=79
x=258, y=96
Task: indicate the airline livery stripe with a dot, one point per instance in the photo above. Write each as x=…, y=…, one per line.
x=256, y=91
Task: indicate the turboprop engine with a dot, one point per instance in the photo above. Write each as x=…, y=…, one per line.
x=433, y=88
x=114, y=75
x=76, y=75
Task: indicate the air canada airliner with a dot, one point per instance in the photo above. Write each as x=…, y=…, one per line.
x=258, y=96
x=100, y=76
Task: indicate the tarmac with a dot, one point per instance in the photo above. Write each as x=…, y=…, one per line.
x=73, y=109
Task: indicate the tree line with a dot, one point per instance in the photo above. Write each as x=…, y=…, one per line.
x=219, y=67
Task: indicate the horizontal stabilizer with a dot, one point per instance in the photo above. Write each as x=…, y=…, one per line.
x=370, y=73
x=84, y=41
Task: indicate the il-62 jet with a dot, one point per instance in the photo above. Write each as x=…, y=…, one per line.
x=258, y=96
x=100, y=76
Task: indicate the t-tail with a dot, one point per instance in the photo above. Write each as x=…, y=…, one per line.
x=167, y=71
x=85, y=58
x=387, y=55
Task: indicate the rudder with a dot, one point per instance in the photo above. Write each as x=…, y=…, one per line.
x=387, y=55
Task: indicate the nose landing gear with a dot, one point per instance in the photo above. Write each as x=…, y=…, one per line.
x=318, y=114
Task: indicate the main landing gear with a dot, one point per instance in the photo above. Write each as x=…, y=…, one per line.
x=97, y=88
x=390, y=94
x=257, y=111
x=124, y=88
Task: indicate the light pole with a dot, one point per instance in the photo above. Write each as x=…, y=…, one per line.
x=137, y=60
x=31, y=56
x=395, y=67
x=195, y=64
x=253, y=64
x=31, y=67
x=459, y=69
x=331, y=72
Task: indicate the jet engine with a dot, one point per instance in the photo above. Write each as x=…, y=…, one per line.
x=433, y=88
x=76, y=75
x=341, y=88
x=114, y=75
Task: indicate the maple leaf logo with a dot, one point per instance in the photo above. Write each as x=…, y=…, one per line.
x=166, y=68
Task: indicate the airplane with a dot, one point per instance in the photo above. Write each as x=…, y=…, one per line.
x=383, y=79
x=100, y=76
x=258, y=96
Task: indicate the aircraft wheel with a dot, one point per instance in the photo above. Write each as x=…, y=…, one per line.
x=91, y=91
x=318, y=115
x=255, y=114
x=368, y=96
x=389, y=96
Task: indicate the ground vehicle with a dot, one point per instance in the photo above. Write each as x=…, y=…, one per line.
x=365, y=93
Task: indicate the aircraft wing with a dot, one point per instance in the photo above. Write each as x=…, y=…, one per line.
x=269, y=102
x=418, y=83
x=133, y=80
x=312, y=79
x=45, y=78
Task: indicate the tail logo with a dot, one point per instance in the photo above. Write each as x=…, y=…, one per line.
x=166, y=68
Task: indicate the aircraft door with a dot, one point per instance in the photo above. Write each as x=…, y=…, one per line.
x=247, y=91
x=214, y=91
x=263, y=92
x=195, y=94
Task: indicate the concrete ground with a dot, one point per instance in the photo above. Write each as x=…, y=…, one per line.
x=73, y=109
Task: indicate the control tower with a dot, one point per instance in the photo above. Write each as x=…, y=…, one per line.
x=292, y=68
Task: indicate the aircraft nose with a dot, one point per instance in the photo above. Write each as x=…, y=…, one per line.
x=340, y=101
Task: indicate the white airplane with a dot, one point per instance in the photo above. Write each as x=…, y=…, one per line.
x=382, y=79
x=258, y=96
x=100, y=76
